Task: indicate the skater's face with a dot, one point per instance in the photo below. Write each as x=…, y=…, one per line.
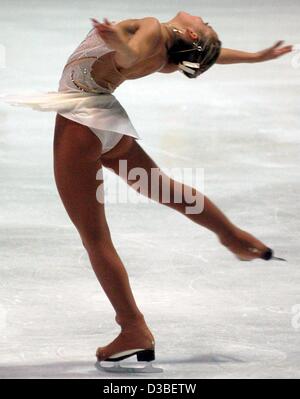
x=195, y=27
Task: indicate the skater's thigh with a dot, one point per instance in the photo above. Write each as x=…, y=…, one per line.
x=133, y=154
x=77, y=167
x=139, y=163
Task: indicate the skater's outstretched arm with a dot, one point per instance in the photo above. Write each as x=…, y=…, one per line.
x=229, y=56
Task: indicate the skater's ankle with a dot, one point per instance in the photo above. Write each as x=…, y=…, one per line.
x=226, y=237
x=138, y=328
x=130, y=320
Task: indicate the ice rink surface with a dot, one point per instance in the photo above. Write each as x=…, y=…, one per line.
x=212, y=316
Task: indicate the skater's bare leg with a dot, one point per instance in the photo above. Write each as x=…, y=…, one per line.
x=76, y=162
x=241, y=243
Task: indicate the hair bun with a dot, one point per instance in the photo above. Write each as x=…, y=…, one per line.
x=195, y=58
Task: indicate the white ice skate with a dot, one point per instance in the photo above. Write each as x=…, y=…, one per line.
x=144, y=357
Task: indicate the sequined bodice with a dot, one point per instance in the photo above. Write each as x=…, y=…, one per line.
x=91, y=67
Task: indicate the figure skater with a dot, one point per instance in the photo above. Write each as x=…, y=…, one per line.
x=93, y=131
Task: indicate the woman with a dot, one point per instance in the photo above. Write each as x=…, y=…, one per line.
x=97, y=132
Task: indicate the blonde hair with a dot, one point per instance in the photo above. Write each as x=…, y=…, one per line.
x=197, y=57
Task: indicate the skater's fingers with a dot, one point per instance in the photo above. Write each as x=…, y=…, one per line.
x=94, y=21
x=289, y=47
x=284, y=50
x=106, y=21
x=102, y=27
x=277, y=44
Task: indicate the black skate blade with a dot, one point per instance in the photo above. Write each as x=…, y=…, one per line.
x=269, y=255
x=117, y=368
x=280, y=259
x=146, y=355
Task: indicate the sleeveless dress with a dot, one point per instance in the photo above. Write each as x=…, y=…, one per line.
x=80, y=99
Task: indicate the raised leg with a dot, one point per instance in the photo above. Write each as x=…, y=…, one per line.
x=241, y=243
x=77, y=159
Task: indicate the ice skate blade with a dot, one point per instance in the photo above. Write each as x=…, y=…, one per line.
x=117, y=368
x=279, y=259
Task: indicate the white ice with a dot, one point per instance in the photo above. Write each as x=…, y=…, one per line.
x=212, y=315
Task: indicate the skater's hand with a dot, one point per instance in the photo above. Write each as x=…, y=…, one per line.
x=244, y=245
x=271, y=53
x=125, y=56
x=109, y=33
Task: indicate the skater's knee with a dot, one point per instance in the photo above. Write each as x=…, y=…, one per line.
x=96, y=242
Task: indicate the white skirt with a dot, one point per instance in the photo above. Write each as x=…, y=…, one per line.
x=102, y=113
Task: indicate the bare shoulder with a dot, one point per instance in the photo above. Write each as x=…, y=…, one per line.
x=153, y=27
x=130, y=26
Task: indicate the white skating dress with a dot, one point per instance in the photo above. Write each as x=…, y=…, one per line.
x=81, y=99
